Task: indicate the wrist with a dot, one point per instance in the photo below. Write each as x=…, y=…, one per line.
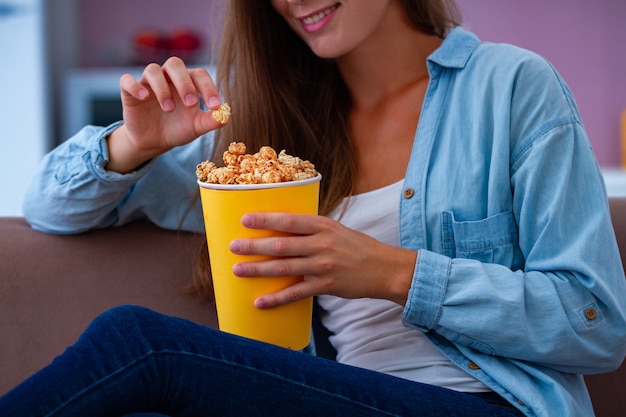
x=403, y=279
x=124, y=157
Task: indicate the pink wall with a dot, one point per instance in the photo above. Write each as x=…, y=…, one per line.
x=584, y=39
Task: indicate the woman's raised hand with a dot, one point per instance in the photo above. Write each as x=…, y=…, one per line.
x=333, y=259
x=161, y=111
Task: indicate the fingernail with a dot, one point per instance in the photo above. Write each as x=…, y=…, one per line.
x=143, y=93
x=238, y=269
x=214, y=101
x=235, y=246
x=191, y=99
x=168, y=105
x=260, y=303
x=247, y=220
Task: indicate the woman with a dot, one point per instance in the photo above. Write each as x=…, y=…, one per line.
x=465, y=263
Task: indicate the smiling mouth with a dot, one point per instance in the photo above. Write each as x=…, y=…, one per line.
x=310, y=20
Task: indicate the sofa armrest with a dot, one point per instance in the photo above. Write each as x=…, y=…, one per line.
x=52, y=286
x=607, y=389
x=618, y=217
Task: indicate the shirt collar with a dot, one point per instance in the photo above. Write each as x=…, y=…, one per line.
x=454, y=52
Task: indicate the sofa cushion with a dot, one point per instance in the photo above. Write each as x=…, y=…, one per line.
x=52, y=286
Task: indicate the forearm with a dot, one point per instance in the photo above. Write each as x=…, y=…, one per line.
x=72, y=192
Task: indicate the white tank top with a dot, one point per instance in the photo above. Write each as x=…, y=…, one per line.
x=369, y=333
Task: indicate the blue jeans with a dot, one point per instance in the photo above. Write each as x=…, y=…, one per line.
x=132, y=360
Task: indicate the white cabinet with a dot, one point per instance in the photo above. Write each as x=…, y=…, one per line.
x=615, y=181
x=23, y=99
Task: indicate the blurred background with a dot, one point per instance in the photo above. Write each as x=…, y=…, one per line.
x=60, y=63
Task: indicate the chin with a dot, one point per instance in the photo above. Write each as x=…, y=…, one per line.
x=327, y=51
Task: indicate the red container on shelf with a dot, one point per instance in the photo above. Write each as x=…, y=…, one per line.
x=150, y=45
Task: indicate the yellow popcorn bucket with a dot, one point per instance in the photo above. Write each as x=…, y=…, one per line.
x=223, y=207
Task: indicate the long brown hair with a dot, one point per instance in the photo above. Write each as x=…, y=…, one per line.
x=285, y=96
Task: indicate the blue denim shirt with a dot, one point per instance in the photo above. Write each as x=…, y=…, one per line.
x=518, y=278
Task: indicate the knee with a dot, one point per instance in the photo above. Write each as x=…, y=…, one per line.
x=124, y=321
x=125, y=314
x=122, y=327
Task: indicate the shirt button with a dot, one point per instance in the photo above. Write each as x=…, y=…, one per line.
x=591, y=314
x=473, y=366
x=409, y=193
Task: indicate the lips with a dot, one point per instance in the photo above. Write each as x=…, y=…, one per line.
x=317, y=20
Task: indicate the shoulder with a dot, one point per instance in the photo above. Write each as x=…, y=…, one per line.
x=506, y=83
x=464, y=52
x=524, y=77
x=506, y=60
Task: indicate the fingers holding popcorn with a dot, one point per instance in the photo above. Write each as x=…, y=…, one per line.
x=205, y=86
x=182, y=83
x=161, y=110
x=174, y=84
x=158, y=80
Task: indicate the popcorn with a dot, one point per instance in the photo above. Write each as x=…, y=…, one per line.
x=221, y=114
x=263, y=167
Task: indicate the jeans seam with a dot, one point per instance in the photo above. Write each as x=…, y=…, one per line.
x=100, y=381
x=142, y=358
x=283, y=378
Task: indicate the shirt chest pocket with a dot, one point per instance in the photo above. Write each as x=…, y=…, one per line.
x=491, y=240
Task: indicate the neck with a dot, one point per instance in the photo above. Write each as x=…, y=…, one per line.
x=387, y=63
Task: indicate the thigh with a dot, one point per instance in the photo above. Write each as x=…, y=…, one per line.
x=132, y=360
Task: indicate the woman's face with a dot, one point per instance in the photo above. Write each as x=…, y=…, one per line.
x=334, y=28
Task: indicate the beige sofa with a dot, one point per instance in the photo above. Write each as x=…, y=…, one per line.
x=52, y=286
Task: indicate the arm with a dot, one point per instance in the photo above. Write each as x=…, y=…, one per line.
x=564, y=308
x=103, y=177
x=556, y=298
x=73, y=191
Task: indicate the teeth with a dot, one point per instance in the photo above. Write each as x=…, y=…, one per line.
x=316, y=18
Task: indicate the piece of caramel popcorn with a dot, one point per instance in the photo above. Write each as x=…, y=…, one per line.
x=263, y=167
x=221, y=114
